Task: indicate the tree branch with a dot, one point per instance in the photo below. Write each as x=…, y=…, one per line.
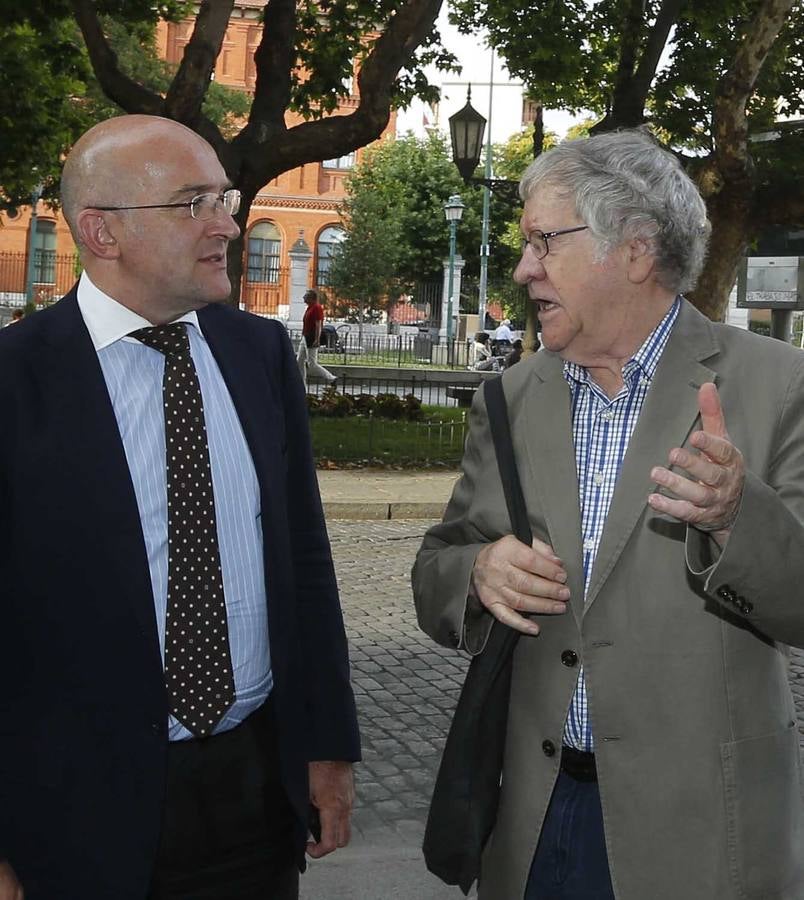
x=657, y=40
x=730, y=124
x=191, y=81
x=275, y=59
x=119, y=88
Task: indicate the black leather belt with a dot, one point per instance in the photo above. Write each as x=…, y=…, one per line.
x=578, y=764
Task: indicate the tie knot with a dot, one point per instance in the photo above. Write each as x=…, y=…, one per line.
x=172, y=340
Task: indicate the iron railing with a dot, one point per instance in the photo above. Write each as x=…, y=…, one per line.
x=375, y=440
x=53, y=275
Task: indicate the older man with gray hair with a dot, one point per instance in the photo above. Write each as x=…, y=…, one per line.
x=651, y=748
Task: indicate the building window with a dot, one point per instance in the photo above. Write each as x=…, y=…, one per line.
x=264, y=243
x=328, y=240
x=45, y=252
x=342, y=162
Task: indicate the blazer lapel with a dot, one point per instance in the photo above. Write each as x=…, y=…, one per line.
x=551, y=472
x=95, y=470
x=669, y=415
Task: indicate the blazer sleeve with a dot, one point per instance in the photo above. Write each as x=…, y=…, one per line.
x=442, y=572
x=760, y=572
x=331, y=714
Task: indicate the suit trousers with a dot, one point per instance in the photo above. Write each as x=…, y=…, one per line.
x=228, y=828
x=571, y=862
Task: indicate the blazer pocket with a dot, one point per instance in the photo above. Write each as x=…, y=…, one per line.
x=765, y=833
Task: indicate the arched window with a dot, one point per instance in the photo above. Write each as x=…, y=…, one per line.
x=45, y=252
x=264, y=242
x=328, y=240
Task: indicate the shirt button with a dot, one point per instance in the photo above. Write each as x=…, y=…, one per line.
x=548, y=748
x=599, y=478
x=589, y=544
x=644, y=382
x=569, y=658
x=608, y=415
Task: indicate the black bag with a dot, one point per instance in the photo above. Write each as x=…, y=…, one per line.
x=467, y=789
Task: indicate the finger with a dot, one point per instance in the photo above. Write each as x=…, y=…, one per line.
x=682, y=510
x=719, y=450
x=530, y=603
x=698, y=466
x=712, y=418
x=329, y=835
x=545, y=550
x=508, y=617
x=701, y=495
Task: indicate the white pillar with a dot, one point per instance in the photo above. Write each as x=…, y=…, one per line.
x=300, y=255
x=458, y=263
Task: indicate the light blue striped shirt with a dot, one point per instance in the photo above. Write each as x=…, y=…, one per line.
x=133, y=374
x=601, y=430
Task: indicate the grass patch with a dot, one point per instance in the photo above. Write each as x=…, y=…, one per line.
x=368, y=440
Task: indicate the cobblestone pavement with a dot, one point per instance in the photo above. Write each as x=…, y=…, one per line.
x=406, y=686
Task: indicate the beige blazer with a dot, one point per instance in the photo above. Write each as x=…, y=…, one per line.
x=684, y=652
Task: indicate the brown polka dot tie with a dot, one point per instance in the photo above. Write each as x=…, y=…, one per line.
x=198, y=664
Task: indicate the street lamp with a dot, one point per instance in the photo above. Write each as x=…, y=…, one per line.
x=453, y=210
x=466, y=129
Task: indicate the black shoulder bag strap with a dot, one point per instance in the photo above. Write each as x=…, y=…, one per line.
x=467, y=789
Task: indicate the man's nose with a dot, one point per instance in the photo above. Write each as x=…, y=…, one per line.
x=528, y=267
x=223, y=224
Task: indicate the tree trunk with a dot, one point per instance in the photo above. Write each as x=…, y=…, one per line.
x=729, y=214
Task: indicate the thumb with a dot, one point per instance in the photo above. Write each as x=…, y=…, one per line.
x=712, y=419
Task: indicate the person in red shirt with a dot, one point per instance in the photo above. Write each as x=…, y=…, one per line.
x=307, y=355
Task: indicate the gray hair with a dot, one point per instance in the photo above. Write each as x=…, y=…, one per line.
x=624, y=187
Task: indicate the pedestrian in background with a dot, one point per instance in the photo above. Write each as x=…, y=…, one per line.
x=515, y=355
x=307, y=356
x=176, y=693
x=482, y=358
x=504, y=333
x=651, y=748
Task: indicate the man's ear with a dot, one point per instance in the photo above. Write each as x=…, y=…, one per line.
x=641, y=260
x=95, y=234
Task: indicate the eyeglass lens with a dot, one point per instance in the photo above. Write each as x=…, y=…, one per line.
x=204, y=206
x=538, y=243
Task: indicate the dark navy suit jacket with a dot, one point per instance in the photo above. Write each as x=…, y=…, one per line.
x=83, y=708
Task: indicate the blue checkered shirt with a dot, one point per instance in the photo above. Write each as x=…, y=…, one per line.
x=601, y=430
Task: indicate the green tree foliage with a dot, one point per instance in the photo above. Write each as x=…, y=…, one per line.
x=728, y=67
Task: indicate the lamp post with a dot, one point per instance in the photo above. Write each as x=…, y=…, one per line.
x=36, y=195
x=466, y=128
x=453, y=210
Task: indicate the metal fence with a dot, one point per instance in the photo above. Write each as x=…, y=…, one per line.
x=375, y=440
x=429, y=391
x=343, y=345
x=53, y=275
x=265, y=297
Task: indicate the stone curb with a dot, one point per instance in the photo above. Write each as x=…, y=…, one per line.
x=344, y=509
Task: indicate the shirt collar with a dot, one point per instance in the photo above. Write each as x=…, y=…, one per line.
x=109, y=321
x=646, y=358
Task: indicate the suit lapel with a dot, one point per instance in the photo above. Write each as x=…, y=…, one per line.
x=669, y=415
x=551, y=473
x=96, y=476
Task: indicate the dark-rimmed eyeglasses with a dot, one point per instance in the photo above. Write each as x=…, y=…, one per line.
x=538, y=239
x=202, y=206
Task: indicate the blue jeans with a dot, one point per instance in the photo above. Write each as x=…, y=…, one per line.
x=570, y=862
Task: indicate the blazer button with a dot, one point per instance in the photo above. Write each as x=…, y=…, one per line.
x=548, y=748
x=747, y=606
x=724, y=592
x=569, y=658
x=454, y=638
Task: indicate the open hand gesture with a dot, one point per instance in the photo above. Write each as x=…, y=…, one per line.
x=708, y=496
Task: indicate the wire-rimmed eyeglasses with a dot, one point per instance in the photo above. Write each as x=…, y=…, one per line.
x=538, y=239
x=202, y=206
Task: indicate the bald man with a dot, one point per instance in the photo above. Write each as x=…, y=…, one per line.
x=176, y=716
